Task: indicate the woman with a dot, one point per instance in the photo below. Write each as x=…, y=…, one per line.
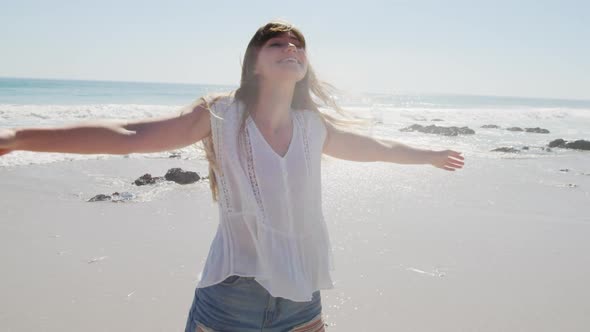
x=271, y=254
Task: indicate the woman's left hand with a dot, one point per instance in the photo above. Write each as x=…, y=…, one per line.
x=448, y=160
x=7, y=139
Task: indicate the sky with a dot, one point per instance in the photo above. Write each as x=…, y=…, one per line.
x=502, y=48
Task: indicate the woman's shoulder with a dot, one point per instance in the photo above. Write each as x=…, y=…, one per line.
x=314, y=124
x=219, y=99
x=313, y=118
x=219, y=103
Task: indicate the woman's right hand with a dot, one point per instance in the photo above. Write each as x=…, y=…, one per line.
x=7, y=140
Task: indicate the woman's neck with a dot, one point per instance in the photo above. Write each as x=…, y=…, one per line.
x=274, y=105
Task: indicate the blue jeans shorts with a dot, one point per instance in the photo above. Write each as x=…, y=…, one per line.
x=240, y=304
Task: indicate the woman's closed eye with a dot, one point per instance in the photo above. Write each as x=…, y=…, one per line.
x=283, y=44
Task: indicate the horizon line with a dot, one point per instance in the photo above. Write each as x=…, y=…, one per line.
x=399, y=92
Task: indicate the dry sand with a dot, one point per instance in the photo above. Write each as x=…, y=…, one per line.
x=501, y=245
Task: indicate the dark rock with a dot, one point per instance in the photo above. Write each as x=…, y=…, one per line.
x=174, y=155
x=577, y=145
x=181, y=177
x=147, y=179
x=515, y=129
x=506, y=149
x=432, y=129
x=122, y=197
x=115, y=197
x=437, y=120
x=569, y=185
x=537, y=130
x=491, y=126
x=565, y=170
x=525, y=147
x=100, y=198
x=556, y=143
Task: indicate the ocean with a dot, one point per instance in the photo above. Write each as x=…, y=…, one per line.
x=44, y=102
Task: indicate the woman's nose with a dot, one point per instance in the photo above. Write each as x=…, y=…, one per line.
x=292, y=47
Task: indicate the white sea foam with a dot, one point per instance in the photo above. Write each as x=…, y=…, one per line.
x=41, y=115
x=570, y=124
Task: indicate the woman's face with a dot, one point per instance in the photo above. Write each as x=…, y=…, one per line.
x=282, y=58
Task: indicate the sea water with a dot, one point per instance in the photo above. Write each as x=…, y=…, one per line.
x=44, y=102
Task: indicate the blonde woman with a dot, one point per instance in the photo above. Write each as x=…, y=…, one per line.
x=271, y=255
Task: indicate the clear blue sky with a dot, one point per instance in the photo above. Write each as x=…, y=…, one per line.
x=516, y=48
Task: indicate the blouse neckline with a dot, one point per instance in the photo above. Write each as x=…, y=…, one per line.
x=268, y=146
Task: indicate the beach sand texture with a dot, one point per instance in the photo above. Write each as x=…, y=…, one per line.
x=501, y=245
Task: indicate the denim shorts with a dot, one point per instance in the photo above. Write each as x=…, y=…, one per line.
x=240, y=304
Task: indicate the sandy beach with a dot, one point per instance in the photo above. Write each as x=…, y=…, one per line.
x=499, y=246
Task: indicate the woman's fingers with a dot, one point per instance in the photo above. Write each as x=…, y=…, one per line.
x=449, y=160
x=455, y=159
x=456, y=154
x=7, y=138
x=455, y=162
x=4, y=151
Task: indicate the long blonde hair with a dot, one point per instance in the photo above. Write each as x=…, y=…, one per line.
x=248, y=92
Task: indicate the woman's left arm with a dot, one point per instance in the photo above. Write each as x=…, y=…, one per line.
x=356, y=147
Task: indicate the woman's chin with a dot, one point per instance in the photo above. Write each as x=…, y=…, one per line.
x=292, y=74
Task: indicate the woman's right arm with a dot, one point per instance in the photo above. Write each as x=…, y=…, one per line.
x=113, y=136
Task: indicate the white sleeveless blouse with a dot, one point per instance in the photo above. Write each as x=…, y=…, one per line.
x=270, y=207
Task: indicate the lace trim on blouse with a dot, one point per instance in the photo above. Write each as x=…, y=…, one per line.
x=252, y=172
x=218, y=145
x=303, y=126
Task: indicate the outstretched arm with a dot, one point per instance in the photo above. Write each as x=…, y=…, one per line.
x=113, y=136
x=356, y=147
